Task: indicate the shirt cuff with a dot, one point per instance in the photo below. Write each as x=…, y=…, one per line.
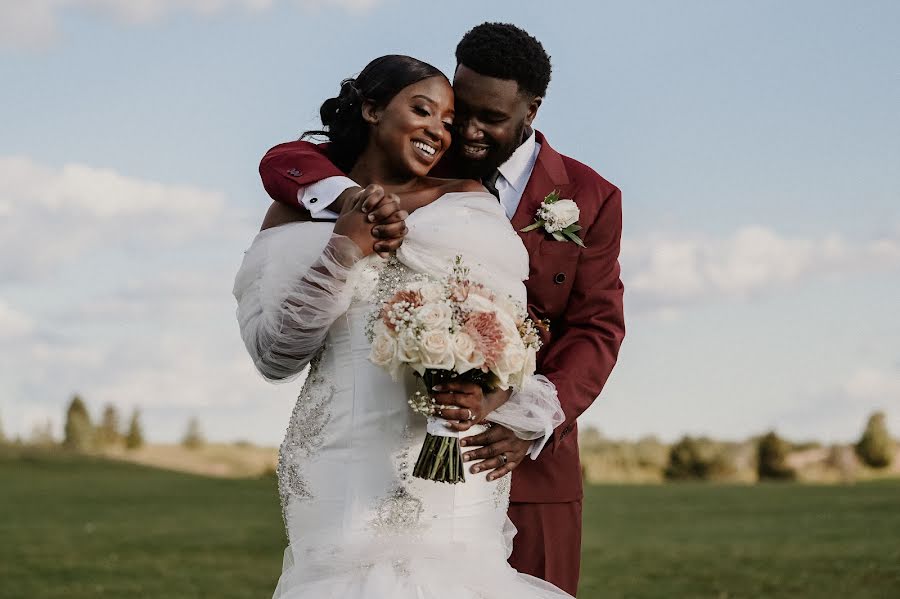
x=537, y=446
x=318, y=196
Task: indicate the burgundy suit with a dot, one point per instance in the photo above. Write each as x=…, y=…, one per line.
x=579, y=292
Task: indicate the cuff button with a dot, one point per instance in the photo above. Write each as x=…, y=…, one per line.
x=313, y=200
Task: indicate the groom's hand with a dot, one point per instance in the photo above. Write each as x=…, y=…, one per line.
x=384, y=212
x=465, y=404
x=501, y=451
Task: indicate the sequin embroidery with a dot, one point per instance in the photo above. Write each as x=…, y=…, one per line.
x=304, y=437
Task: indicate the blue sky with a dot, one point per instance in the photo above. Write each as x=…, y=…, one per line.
x=756, y=145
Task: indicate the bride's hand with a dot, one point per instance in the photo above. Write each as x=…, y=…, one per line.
x=467, y=404
x=373, y=220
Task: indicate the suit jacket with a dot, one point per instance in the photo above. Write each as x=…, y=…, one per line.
x=577, y=290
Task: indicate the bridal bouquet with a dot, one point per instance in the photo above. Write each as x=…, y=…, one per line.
x=451, y=329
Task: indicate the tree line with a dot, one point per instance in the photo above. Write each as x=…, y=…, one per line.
x=82, y=434
x=766, y=457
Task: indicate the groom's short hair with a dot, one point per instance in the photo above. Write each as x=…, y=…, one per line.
x=504, y=51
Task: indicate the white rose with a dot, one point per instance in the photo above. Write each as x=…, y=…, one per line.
x=563, y=213
x=407, y=347
x=435, y=316
x=509, y=366
x=465, y=353
x=436, y=350
x=431, y=292
x=479, y=303
x=384, y=350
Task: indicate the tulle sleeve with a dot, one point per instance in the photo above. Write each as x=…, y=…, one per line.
x=531, y=412
x=290, y=289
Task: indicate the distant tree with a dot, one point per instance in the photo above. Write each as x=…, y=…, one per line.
x=108, y=431
x=771, y=453
x=589, y=436
x=42, y=434
x=134, y=438
x=79, y=432
x=876, y=448
x=686, y=461
x=2, y=435
x=193, y=438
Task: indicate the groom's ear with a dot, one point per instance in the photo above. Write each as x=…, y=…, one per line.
x=532, y=110
x=370, y=113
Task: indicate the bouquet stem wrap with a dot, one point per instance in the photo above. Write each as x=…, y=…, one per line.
x=441, y=457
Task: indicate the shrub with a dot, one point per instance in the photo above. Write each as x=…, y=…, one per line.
x=79, y=432
x=876, y=448
x=108, y=431
x=772, y=452
x=134, y=438
x=193, y=438
x=686, y=461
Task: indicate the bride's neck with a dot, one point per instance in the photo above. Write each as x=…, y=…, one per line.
x=373, y=167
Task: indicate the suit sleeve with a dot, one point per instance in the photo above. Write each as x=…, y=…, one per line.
x=288, y=167
x=584, y=351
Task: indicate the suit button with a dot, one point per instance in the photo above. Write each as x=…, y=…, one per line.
x=313, y=200
x=294, y=172
x=560, y=278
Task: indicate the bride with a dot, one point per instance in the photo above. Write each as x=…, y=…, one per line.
x=359, y=525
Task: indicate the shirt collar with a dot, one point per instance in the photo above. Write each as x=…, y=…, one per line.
x=517, y=169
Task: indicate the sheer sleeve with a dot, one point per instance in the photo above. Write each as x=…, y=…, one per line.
x=531, y=412
x=290, y=289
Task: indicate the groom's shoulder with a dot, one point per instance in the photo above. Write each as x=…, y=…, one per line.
x=581, y=176
x=584, y=176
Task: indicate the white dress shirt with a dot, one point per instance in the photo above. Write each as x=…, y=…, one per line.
x=515, y=173
x=514, y=176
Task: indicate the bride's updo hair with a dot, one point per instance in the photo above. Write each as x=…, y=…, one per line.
x=381, y=80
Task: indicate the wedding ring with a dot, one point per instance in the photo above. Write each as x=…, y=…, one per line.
x=503, y=459
x=471, y=415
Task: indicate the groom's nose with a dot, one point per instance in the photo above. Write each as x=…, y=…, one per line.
x=470, y=130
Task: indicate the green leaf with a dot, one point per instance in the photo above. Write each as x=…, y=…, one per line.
x=535, y=225
x=552, y=197
x=574, y=238
x=573, y=228
x=558, y=236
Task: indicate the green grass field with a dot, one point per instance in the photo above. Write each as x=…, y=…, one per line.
x=75, y=528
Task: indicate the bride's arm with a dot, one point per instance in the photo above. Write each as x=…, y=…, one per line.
x=288, y=297
x=290, y=290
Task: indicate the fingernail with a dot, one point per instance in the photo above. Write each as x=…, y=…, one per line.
x=491, y=477
x=463, y=443
x=437, y=388
x=475, y=469
x=371, y=217
x=466, y=457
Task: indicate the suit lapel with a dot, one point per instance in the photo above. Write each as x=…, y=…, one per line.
x=549, y=173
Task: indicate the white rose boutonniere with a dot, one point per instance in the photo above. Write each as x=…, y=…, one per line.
x=559, y=218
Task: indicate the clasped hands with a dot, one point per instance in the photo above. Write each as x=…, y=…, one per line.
x=372, y=218
x=376, y=222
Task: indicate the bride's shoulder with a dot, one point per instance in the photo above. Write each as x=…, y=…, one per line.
x=438, y=187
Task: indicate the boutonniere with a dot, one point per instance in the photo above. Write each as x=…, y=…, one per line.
x=559, y=218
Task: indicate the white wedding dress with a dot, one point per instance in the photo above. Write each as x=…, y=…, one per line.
x=359, y=525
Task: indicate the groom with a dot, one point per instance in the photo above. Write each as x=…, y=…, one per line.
x=501, y=78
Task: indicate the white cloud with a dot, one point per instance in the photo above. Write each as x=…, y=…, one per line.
x=32, y=24
x=53, y=216
x=868, y=384
x=664, y=272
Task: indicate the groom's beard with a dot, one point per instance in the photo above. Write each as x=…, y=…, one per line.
x=496, y=155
